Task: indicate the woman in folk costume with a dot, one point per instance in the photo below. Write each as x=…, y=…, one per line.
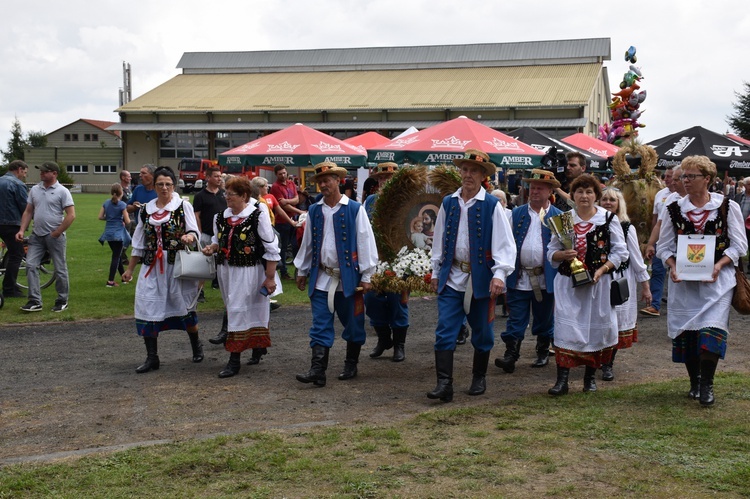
x=165, y=225
x=585, y=321
x=247, y=251
x=698, y=317
x=635, y=270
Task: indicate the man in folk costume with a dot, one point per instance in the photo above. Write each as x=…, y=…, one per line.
x=531, y=285
x=473, y=252
x=339, y=255
x=388, y=312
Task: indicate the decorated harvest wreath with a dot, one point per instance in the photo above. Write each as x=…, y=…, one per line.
x=639, y=188
x=403, y=219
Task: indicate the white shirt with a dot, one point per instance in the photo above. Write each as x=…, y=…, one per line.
x=532, y=253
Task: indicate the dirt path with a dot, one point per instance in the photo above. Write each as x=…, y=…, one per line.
x=72, y=386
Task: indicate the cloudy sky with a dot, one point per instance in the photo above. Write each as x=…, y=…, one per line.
x=61, y=61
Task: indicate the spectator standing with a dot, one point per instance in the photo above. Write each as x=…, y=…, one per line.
x=285, y=191
x=142, y=193
x=207, y=203
x=51, y=207
x=115, y=213
x=125, y=184
x=13, y=197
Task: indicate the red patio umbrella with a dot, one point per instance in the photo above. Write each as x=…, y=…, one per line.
x=739, y=139
x=367, y=140
x=592, y=145
x=297, y=145
x=446, y=141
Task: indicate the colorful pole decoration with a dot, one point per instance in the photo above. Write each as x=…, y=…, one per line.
x=625, y=109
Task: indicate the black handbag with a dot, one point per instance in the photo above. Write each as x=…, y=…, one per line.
x=619, y=292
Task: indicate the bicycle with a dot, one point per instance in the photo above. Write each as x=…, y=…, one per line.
x=46, y=269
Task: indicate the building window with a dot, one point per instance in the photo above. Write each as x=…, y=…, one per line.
x=74, y=137
x=94, y=137
x=225, y=141
x=87, y=137
x=183, y=145
x=67, y=137
x=78, y=168
x=105, y=169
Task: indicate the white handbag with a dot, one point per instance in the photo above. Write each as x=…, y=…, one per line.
x=192, y=264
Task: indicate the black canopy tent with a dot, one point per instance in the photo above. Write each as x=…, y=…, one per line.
x=543, y=142
x=727, y=154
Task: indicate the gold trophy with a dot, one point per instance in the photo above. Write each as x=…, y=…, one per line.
x=562, y=226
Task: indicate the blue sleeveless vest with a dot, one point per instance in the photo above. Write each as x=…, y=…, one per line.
x=520, y=222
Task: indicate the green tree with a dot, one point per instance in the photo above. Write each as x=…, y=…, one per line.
x=740, y=120
x=16, y=144
x=36, y=139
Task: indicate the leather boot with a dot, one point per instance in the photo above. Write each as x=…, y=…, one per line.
x=478, y=371
x=589, y=379
x=317, y=373
x=708, y=369
x=152, y=359
x=512, y=352
x=463, y=335
x=399, y=340
x=694, y=371
x=233, y=366
x=197, y=346
x=384, y=341
x=542, y=352
x=444, y=369
x=350, y=363
x=561, y=386
x=607, y=373
x=221, y=336
x=258, y=354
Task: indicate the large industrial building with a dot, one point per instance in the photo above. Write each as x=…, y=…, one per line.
x=224, y=99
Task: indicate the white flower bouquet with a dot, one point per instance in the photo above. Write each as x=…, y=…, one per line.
x=411, y=270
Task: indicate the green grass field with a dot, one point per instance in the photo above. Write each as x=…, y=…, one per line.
x=88, y=267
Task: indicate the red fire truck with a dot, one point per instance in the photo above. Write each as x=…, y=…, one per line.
x=193, y=173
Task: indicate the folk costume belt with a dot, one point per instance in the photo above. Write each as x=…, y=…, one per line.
x=335, y=274
x=465, y=267
x=534, y=272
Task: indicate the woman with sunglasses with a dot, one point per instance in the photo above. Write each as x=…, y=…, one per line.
x=635, y=270
x=166, y=225
x=698, y=316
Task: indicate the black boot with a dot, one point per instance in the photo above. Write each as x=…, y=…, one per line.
x=152, y=359
x=542, y=352
x=694, y=371
x=384, y=341
x=444, y=369
x=221, y=336
x=708, y=369
x=607, y=373
x=350, y=363
x=512, y=352
x=317, y=373
x=561, y=386
x=399, y=340
x=258, y=354
x=195, y=342
x=463, y=335
x=589, y=379
x=233, y=366
x=478, y=371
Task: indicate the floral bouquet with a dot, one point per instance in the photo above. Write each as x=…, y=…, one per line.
x=411, y=270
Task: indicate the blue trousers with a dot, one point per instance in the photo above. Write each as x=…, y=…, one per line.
x=658, y=271
x=520, y=303
x=350, y=312
x=387, y=309
x=451, y=316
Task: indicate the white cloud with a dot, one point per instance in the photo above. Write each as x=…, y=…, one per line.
x=63, y=61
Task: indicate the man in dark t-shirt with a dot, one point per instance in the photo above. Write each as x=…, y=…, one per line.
x=207, y=203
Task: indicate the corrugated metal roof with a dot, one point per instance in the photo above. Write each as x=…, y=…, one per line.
x=539, y=124
x=381, y=58
x=475, y=88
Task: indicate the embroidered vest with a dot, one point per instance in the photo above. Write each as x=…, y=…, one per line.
x=480, y=242
x=345, y=232
x=717, y=226
x=597, y=248
x=520, y=222
x=246, y=247
x=171, y=232
x=624, y=265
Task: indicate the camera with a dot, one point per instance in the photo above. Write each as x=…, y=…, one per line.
x=555, y=162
